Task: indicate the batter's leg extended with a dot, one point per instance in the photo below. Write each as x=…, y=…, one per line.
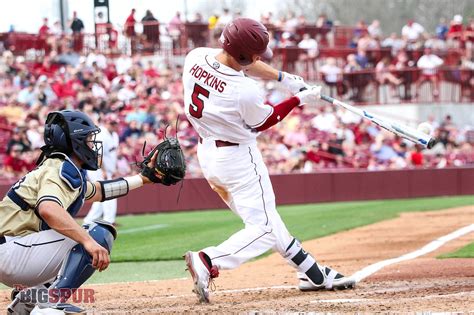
x=312, y=276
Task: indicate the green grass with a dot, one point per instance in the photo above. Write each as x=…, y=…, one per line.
x=464, y=252
x=168, y=236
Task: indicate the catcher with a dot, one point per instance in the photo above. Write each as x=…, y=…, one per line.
x=42, y=248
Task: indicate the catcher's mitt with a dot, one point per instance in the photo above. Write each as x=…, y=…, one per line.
x=170, y=163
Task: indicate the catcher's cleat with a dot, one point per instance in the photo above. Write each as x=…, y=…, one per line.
x=58, y=309
x=17, y=307
x=202, y=271
x=332, y=281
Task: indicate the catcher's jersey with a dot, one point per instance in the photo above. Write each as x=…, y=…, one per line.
x=54, y=180
x=220, y=102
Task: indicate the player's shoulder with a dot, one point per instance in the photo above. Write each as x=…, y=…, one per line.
x=62, y=172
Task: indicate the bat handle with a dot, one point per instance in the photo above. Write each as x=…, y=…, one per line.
x=323, y=97
x=327, y=98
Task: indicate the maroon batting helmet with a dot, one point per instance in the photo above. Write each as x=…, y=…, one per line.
x=243, y=38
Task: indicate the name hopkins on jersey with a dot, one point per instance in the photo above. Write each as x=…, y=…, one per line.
x=207, y=78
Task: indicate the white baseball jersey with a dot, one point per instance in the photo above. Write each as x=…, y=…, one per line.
x=220, y=102
x=110, y=143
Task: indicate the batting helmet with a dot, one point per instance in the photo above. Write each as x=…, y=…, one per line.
x=69, y=131
x=243, y=38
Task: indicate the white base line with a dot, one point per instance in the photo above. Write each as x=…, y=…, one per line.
x=371, y=269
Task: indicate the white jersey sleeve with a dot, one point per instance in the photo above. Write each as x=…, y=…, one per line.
x=252, y=107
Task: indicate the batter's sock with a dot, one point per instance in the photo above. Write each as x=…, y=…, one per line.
x=304, y=262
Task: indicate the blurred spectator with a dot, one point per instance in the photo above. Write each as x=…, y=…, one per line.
x=14, y=165
x=175, y=28
x=123, y=64
x=393, y=42
x=130, y=25
x=43, y=35
x=429, y=63
x=383, y=150
x=96, y=57
x=469, y=38
x=151, y=29
x=361, y=58
x=326, y=35
x=69, y=57
x=442, y=29
x=225, y=18
x=375, y=30
x=455, y=32
x=77, y=28
x=308, y=57
x=416, y=156
x=130, y=130
x=44, y=29
x=19, y=140
x=212, y=22
x=198, y=31
x=310, y=44
x=412, y=33
x=383, y=74
x=332, y=76
x=27, y=95
x=34, y=134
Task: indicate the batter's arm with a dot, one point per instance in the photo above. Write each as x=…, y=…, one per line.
x=293, y=83
x=264, y=71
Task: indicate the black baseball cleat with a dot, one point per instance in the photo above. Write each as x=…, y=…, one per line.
x=332, y=281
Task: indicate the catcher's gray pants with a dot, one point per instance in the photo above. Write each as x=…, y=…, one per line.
x=239, y=175
x=34, y=259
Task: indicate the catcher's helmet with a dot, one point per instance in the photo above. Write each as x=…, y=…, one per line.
x=71, y=132
x=243, y=38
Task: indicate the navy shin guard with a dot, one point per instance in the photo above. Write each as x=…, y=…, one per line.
x=77, y=267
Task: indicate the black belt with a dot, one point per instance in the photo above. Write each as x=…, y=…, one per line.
x=2, y=240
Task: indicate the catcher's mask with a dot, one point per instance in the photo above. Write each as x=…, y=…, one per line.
x=73, y=132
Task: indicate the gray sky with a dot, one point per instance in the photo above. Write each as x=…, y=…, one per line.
x=27, y=15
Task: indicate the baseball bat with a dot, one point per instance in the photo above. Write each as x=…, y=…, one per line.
x=403, y=131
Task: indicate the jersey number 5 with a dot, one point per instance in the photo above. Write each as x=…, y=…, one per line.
x=197, y=105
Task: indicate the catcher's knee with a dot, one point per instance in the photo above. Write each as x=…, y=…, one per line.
x=77, y=267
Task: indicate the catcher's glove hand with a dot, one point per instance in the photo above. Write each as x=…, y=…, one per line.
x=170, y=165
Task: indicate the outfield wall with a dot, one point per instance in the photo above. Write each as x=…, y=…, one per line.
x=311, y=188
x=307, y=188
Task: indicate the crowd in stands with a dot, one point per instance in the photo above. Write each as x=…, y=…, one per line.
x=147, y=95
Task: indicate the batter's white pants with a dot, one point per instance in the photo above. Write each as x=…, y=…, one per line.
x=239, y=175
x=106, y=210
x=34, y=259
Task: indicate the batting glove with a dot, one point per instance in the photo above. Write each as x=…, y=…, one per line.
x=293, y=82
x=309, y=96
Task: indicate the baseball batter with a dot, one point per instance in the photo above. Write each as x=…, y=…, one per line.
x=41, y=245
x=227, y=110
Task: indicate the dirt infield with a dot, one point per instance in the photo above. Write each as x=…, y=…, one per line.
x=269, y=284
